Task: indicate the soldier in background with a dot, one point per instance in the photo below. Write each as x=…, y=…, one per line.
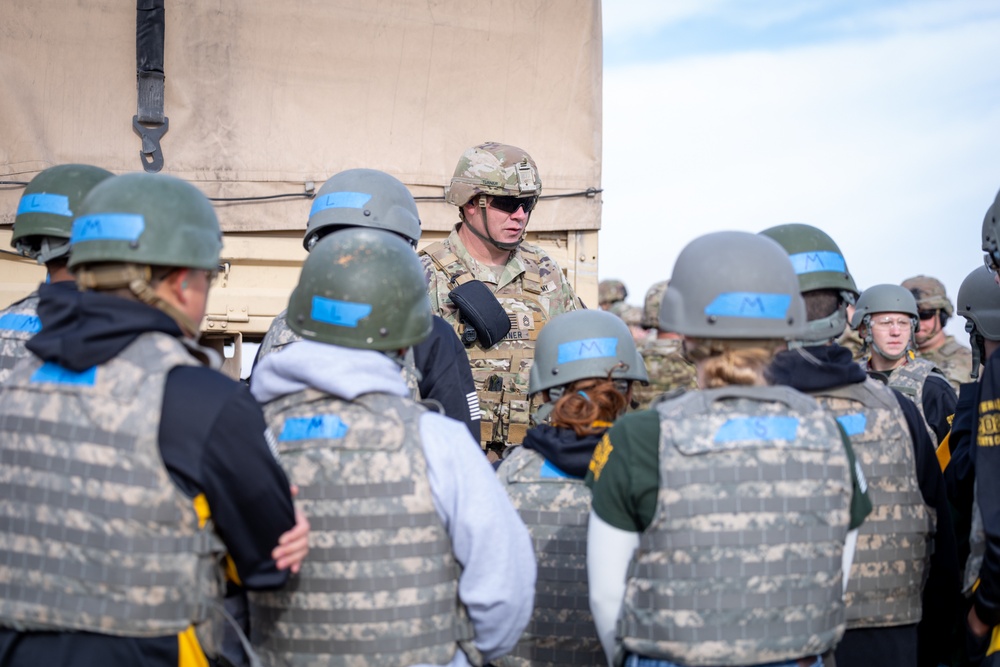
x=720, y=518
x=41, y=231
x=585, y=367
x=934, y=310
x=609, y=293
x=662, y=353
x=632, y=317
x=494, y=289
x=418, y=556
x=850, y=338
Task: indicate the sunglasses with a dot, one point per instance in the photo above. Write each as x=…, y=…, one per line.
x=990, y=263
x=511, y=204
x=926, y=314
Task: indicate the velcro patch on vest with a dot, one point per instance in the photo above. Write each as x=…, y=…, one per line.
x=315, y=427
x=751, y=430
x=52, y=373
x=853, y=424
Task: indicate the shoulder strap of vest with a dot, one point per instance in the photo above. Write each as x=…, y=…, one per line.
x=448, y=263
x=532, y=279
x=871, y=392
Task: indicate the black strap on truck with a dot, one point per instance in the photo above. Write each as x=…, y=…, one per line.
x=149, y=122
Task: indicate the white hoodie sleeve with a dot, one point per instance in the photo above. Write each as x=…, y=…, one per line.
x=497, y=584
x=609, y=552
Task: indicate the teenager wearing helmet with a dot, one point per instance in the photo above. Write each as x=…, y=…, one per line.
x=420, y=558
x=585, y=365
x=896, y=455
x=131, y=468
x=720, y=518
x=509, y=289
x=41, y=231
x=934, y=309
x=668, y=368
x=887, y=318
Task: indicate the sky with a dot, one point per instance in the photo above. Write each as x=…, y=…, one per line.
x=877, y=121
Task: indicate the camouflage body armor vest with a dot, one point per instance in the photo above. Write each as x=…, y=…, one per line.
x=977, y=547
x=741, y=563
x=892, y=555
x=909, y=380
x=380, y=585
x=555, y=509
x=96, y=536
x=501, y=372
x=18, y=323
x=279, y=334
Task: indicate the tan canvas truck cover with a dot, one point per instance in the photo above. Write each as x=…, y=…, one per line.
x=266, y=100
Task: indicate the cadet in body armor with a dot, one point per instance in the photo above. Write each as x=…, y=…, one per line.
x=41, y=231
x=935, y=309
x=418, y=557
x=662, y=353
x=495, y=290
x=720, y=517
x=897, y=460
x=585, y=367
x=131, y=469
x=438, y=367
x=886, y=318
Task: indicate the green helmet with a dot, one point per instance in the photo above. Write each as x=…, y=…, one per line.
x=361, y=288
x=929, y=293
x=733, y=285
x=610, y=291
x=363, y=198
x=584, y=344
x=146, y=219
x=991, y=232
x=978, y=304
x=885, y=299
x=651, y=305
x=494, y=169
x=45, y=213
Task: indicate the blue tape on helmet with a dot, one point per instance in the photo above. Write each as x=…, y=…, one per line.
x=317, y=427
x=550, y=471
x=339, y=200
x=822, y=260
x=853, y=424
x=20, y=322
x=43, y=202
x=757, y=428
x=108, y=227
x=588, y=348
x=51, y=373
x=340, y=313
x=751, y=305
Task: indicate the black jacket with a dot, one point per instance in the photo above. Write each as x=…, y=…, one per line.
x=446, y=376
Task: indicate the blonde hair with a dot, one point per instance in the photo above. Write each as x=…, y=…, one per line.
x=731, y=362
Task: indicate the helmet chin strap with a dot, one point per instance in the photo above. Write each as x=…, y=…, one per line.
x=487, y=237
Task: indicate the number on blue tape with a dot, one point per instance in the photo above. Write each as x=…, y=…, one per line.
x=43, y=202
x=325, y=427
x=588, y=348
x=340, y=313
x=108, y=227
x=339, y=200
x=822, y=260
x=750, y=305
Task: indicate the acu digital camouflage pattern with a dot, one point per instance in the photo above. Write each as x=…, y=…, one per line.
x=909, y=380
x=532, y=289
x=97, y=537
x=892, y=555
x=953, y=359
x=380, y=586
x=667, y=369
x=977, y=547
x=555, y=509
x=279, y=334
x=741, y=563
x=18, y=323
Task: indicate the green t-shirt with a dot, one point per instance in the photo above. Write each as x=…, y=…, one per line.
x=625, y=474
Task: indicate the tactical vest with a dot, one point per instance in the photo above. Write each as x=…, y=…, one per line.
x=892, y=556
x=741, y=563
x=279, y=334
x=953, y=360
x=501, y=372
x=909, y=380
x=18, y=323
x=380, y=585
x=977, y=546
x=555, y=509
x=667, y=369
x=95, y=535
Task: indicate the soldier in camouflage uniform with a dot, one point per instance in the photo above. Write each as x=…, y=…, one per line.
x=495, y=188
x=935, y=309
x=41, y=232
x=720, y=518
x=131, y=469
x=418, y=556
x=897, y=458
x=586, y=364
x=851, y=340
x=610, y=293
x=662, y=352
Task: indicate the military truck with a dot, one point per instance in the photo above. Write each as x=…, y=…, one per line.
x=258, y=102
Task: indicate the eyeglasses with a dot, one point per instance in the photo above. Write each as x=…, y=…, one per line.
x=926, y=314
x=213, y=274
x=511, y=204
x=990, y=263
x=887, y=323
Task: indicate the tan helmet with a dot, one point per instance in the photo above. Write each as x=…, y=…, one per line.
x=610, y=291
x=494, y=169
x=929, y=293
x=651, y=306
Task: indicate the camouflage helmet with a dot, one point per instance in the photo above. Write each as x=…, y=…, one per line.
x=733, y=285
x=991, y=233
x=610, y=291
x=651, y=304
x=929, y=293
x=363, y=198
x=584, y=344
x=45, y=213
x=361, y=288
x=884, y=299
x=146, y=219
x=494, y=169
x=978, y=303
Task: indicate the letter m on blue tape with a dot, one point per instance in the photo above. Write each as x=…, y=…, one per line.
x=740, y=429
x=588, y=348
x=108, y=227
x=339, y=313
x=822, y=260
x=339, y=200
x=750, y=305
x=316, y=427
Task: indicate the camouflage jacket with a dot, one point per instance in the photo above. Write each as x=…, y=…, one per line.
x=667, y=369
x=18, y=323
x=953, y=359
